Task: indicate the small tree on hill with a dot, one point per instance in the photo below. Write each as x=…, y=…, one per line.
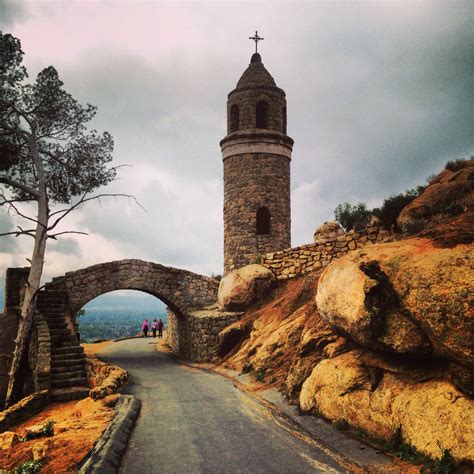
x=352, y=217
x=47, y=156
x=393, y=206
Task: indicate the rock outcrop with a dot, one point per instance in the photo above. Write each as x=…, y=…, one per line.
x=450, y=192
x=244, y=286
x=433, y=415
x=381, y=339
x=444, y=211
x=404, y=297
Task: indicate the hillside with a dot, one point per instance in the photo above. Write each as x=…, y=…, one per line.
x=381, y=340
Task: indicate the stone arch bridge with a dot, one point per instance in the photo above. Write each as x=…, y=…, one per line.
x=193, y=319
x=181, y=290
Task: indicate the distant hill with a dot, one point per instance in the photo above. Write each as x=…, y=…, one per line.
x=125, y=300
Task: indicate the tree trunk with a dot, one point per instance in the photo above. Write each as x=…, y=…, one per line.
x=19, y=365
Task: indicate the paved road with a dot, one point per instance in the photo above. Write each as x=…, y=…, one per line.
x=193, y=421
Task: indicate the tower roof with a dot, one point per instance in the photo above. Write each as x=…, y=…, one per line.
x=256, y=74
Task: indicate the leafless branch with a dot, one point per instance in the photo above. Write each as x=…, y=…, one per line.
x=17, y=233
x=23, y=187
x=53, y=236
x=83, y=200
x=17, y=212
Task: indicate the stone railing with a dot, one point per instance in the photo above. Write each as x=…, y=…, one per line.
x=292, y=262
x=23, y=410
x=104, y=379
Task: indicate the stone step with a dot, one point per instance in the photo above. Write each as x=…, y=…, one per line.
x=63, y=345
x=72, y=374
x=53, y=312
x=75, y=349
x=59, y=332
x=57, y=339
x=52, y=320
x=69, y=393
x=67, y=367
x=50, y=302
x=71, y=382
x=66, y=361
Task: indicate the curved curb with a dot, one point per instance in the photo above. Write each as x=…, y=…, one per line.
x=107, y=454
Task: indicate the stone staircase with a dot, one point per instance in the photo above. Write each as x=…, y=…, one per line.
x=68, y=374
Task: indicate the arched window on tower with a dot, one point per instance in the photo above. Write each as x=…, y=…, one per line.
x=263, y=221
x=234, y=118
x=283, y=120
x=261, y=114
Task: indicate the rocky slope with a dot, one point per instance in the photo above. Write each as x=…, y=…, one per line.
x=445, y=210
x=382, y=339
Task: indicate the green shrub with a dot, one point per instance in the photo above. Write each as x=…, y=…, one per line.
x=247, y=367
x=456, y=165
x=413, y=227
x=352, y=217
x=29, y=467
x=260, y=374
x=393, y=205
x=445, y=465
x=452, y=209
x=48, y=428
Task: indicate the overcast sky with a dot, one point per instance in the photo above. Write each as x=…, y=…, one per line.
x=380, y=96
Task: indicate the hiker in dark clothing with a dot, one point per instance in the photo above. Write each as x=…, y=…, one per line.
x=160, y=328
x=154, y=327
x=145, y=328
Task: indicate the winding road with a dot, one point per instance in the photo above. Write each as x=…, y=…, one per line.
x=195, y=421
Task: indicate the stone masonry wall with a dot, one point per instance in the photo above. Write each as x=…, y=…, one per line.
x=252, y=181
x=178, y=288
x=194, y=336
x=296, y=261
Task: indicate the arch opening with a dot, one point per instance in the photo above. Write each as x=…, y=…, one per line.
x=234, y=118
x=118, y=314
x=263, y=221
x=261, y=114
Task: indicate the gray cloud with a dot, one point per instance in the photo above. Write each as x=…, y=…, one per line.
x=11, y=12
x=379, y=98
x=8, y=244
x=65, y=246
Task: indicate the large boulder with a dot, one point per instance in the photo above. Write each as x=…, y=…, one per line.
x=433, y=416
x=404, y=297
x=327, y=231
x=244, y=286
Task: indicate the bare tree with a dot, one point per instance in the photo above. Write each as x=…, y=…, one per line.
x=47, y=157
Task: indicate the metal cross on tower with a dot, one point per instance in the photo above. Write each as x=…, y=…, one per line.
x=256, y=38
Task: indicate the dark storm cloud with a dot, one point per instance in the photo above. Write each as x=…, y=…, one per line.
x=11, y=12
x=8, y=244
x=390, y=103
x=165, y=114
x=379, y=98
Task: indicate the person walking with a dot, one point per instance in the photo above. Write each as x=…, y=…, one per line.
x=145, y=328
x=154, y=327
x=160, y=328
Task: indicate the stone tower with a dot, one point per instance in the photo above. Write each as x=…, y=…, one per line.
x=256, y=153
